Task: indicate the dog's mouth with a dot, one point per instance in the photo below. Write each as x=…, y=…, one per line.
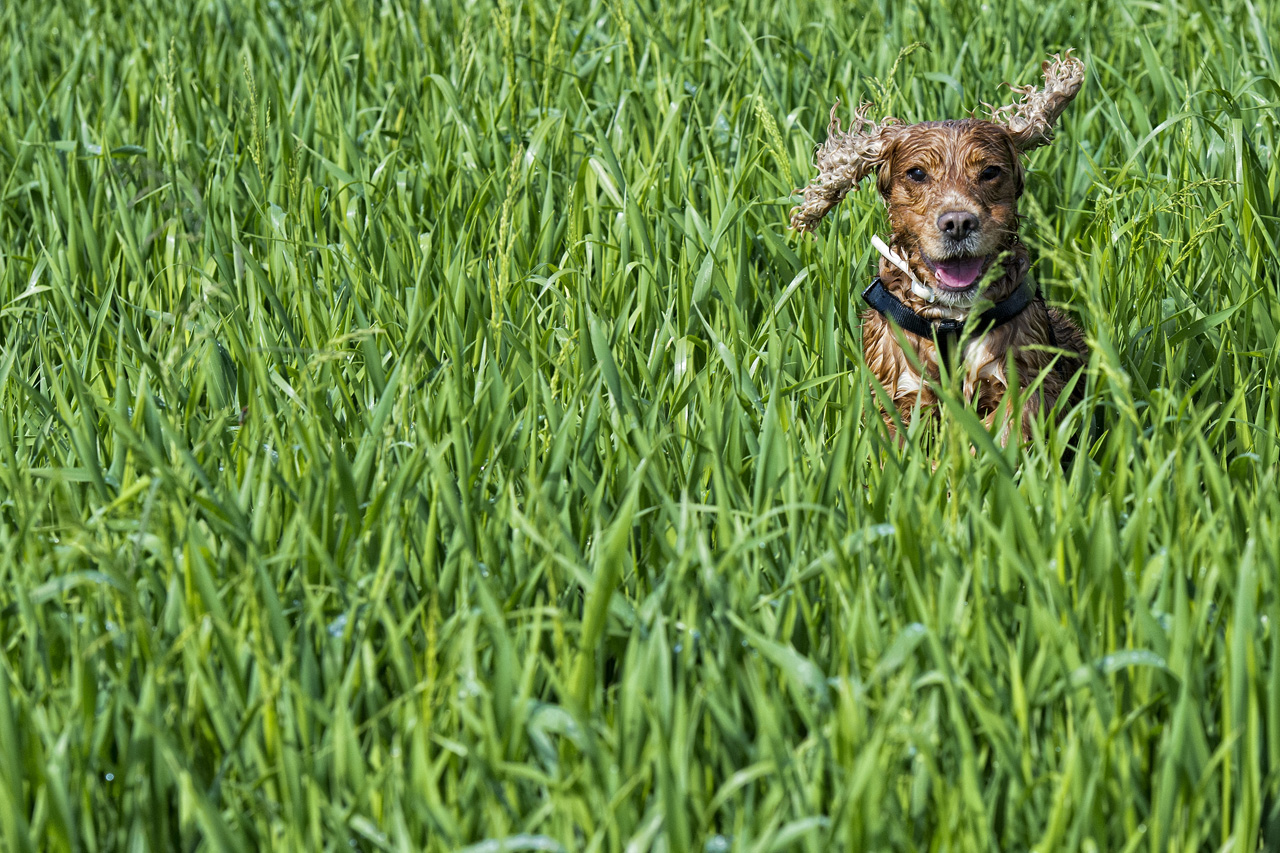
x=957, y=274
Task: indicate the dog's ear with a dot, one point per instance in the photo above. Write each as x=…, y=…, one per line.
x=1030, y=121
x=842, y=161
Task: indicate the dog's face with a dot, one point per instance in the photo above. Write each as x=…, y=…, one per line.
x=952, y=191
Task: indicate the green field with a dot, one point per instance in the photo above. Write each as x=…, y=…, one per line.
x=421, y=431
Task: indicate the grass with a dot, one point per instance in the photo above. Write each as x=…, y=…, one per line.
x=421, y=432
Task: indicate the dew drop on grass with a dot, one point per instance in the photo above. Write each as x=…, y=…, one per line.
x=110, y=777
x=717, y=844
x=721, y=129
x=337, y=626
x=679, y=647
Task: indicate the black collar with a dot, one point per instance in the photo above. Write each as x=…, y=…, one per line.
x=946, y=332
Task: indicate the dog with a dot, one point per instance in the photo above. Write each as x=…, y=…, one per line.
x=953, y=284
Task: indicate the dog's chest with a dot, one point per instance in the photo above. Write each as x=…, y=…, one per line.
x=981, y=363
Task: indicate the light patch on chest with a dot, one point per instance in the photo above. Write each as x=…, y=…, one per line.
x=982, y=362
x=908, y=383
x=983, y=368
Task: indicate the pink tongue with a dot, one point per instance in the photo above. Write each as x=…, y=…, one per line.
x=957, y=275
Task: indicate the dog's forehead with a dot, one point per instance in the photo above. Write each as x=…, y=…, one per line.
x=945, y=140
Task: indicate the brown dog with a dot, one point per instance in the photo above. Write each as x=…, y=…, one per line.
x=952, y=190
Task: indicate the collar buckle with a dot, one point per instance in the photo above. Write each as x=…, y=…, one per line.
x=949, y=327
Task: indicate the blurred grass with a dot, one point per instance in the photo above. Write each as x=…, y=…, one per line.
x=421, y=432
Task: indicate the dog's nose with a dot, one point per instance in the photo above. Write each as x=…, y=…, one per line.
x=957, y=224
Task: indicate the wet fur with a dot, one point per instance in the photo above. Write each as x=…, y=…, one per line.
x=954, y=154
x=970, y=167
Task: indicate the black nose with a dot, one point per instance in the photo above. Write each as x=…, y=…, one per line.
x=957, y=224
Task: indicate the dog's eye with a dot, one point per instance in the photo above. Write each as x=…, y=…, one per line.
x=917, y=174
x=990, y=173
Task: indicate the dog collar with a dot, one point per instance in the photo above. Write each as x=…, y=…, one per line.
x=945, y=332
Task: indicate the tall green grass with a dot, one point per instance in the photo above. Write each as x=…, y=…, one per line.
x=420, y=431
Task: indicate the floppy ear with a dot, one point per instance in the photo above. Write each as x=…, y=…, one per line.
x=1030, y=121
x=842, y=161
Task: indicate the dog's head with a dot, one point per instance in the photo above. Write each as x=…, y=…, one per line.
x=951, y=187
x=952, y=192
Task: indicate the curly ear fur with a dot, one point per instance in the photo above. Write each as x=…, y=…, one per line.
x=842, y=161
x=1030, y=121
